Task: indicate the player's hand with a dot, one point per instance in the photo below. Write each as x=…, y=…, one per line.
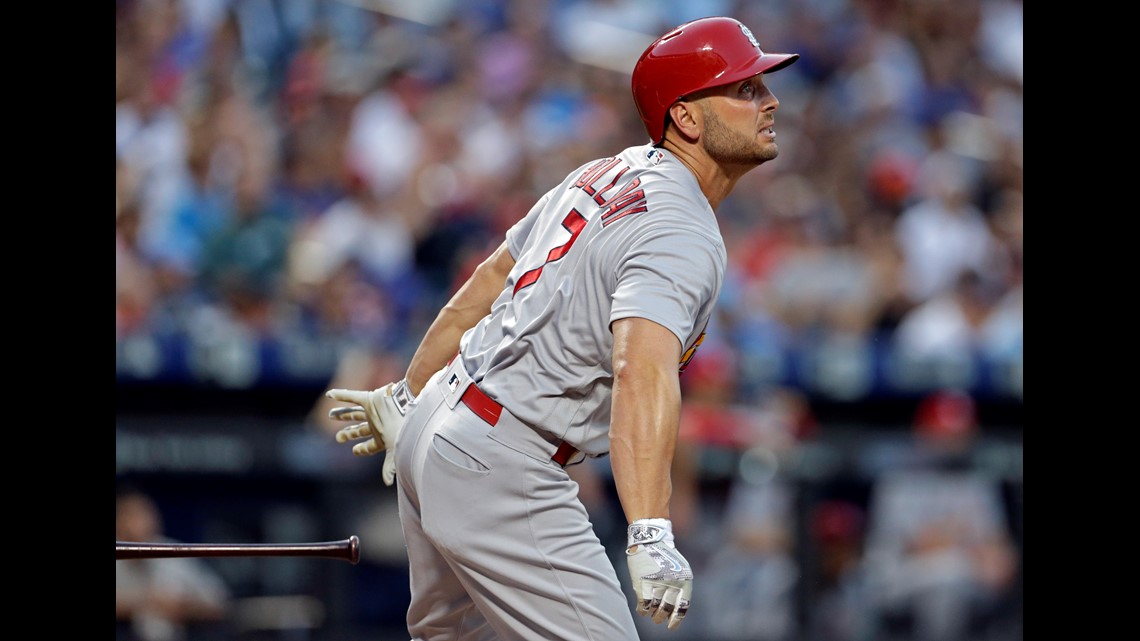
x=378, y=416
x=662, y=578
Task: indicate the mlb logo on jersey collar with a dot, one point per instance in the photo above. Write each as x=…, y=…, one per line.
x=453, y=382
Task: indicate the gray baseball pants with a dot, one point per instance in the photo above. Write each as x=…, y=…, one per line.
x=499, y=545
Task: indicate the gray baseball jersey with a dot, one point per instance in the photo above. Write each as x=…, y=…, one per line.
x=626, y=236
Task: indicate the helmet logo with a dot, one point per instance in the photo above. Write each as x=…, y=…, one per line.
x=748, y=34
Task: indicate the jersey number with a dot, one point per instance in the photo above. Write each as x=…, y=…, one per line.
x=574, y=223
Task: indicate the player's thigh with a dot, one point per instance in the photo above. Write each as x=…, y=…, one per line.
x=521, y=542
x=440, y=608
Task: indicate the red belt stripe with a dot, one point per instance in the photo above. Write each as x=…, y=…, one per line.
x=488, y=410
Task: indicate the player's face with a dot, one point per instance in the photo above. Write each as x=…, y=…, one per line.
x=738, y=123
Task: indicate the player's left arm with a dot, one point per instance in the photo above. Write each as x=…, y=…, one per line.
x=645, y=416
x=644, y=421
x=467, y=307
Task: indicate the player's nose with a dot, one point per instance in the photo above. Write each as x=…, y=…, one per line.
x=768, y=101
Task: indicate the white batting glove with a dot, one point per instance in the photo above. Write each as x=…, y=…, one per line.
x=662, y=578
x=382, y=411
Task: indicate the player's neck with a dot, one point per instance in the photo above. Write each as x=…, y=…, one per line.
x=716, y=181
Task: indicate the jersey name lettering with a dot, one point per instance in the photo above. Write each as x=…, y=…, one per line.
x=627, y=200
x=596, y=171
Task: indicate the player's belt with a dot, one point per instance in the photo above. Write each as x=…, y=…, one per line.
x=488, y=410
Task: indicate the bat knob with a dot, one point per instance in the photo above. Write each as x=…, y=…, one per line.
x=354, y=549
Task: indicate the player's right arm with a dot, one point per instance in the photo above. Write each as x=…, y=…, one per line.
x=378, y=415
x=471, y=302
x=466, y=308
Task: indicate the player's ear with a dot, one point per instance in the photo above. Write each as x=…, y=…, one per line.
x=687, y=118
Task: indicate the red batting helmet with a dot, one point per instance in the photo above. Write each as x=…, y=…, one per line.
x=703, y=53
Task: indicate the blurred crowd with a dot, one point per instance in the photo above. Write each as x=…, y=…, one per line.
x=163, y=599
x=334, y=168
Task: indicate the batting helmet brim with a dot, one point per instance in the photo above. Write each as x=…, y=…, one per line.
x=764, y=63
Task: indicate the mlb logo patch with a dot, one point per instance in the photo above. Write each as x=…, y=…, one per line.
x=654, y=156
x=453, y=382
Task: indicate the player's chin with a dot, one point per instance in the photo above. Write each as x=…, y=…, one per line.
x=766, y=152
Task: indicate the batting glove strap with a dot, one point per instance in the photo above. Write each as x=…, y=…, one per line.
x=402, y=397
x=649, y=531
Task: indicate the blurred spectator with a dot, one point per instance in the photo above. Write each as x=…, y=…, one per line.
x=199, y=207
x=841, y=610
x=1003, y=333
x=753, y=575
x=952, y=324
x=151, y=141
x=166, y=599
x=880, y=79
x=745, y=554
x=944, y=233
x=358, y=227
x=135, y=288
x=873, y=236
x=941, y=559
x=320, y=92
x=1001, y=37
x=384, y=140
x=819, y=283
x=890, y=179
x=243, y=262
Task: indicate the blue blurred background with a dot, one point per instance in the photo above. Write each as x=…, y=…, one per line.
x=301, y=184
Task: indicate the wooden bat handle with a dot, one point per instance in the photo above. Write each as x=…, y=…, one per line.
x=347, y=549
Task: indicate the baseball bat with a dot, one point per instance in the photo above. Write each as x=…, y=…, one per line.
x=347, y=549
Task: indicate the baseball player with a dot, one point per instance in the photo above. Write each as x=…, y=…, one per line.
x=566, y=342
